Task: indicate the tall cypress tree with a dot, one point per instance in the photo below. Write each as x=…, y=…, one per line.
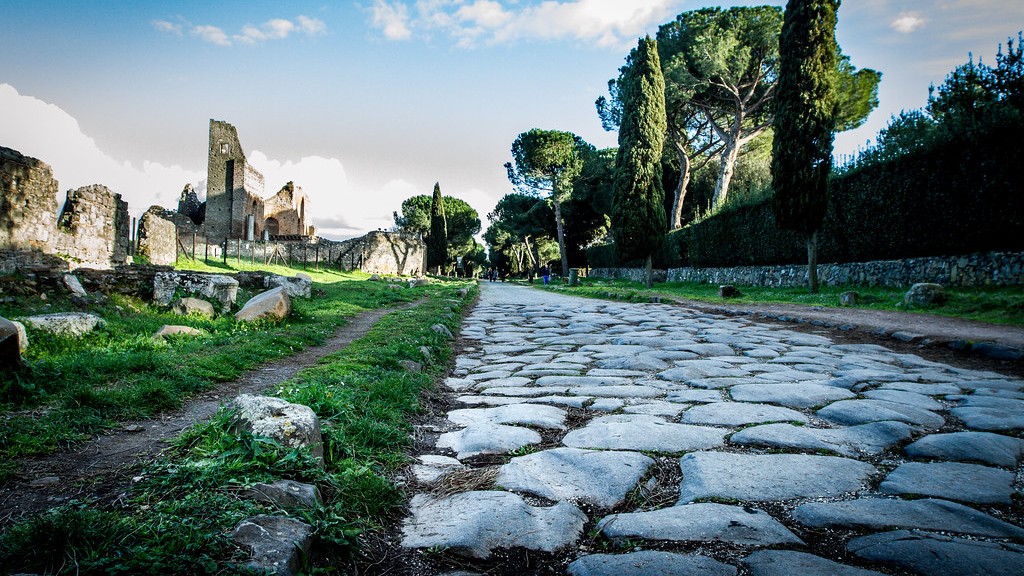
x=805, y=118
x=437, y=241
x=638, y=210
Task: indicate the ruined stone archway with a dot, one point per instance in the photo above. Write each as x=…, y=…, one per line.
x=271, y=226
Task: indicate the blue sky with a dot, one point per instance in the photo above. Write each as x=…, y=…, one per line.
x=367, y=103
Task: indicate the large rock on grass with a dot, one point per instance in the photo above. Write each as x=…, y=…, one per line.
x=172, y=330
x=223, y=289
x=271, y=305
x=10, y=345
x=292, y=425
x=276, y=545
x=186, y=306
x=71, y=324
x=925, y=294
x=298, y=286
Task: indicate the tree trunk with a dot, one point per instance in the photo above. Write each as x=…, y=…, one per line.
x=676, y=217
x=812, y=262
x=725, y=171
x=534, y=253
x=649, y=277
x=561, y=239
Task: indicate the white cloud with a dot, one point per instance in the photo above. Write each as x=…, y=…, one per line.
x=44, y=131
x=907, y=22
x=211, y=34
x=168, y=27
x=392, y=19
x=311, y=26
x=612, y=23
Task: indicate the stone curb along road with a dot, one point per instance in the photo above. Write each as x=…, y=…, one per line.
x=622, y=438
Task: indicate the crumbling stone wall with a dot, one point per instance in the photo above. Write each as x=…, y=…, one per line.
x=234, y=189
x=92, y=229
x=285, y=212
x=190, y=206
x=384, y=253
x=158, y=236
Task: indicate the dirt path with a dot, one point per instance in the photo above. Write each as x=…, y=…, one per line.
x=101, y=468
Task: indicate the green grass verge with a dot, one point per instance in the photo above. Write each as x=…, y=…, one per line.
x=1002, y=305
x=78, y=386
x=178, y=516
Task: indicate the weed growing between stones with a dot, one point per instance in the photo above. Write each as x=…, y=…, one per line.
x=178, y=514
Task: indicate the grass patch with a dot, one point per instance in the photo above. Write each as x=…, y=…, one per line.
x=177, y=517
x=998, y=305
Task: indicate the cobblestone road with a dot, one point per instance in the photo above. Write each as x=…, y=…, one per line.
x=652, y=439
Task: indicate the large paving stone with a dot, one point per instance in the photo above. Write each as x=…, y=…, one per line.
x=648, y=562
x=791, y=394
x=920, y=388
x=886, y=513
x=694, y=396
x=641, y=362
x=523, y=414
x=952, y=481
x=582, y=381
x=903, y=397
x=475, y=523
x=487, y=439
x=643, y=432
x=738, y=525
x=740, y=414
x=985, y=447
x=617, y=391
x=932, y=554
x=989, y=418
x=872, y=438
x=760, y=477
x=600, y=478
x=793, y=563
x=688, y=374
x=863, y=411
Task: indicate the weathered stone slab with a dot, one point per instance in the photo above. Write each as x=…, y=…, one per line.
x=286, y=494
x=648, y=562
x=487, y=439
x=739, y=525
x=275, y=544
x=433, y=466
x=709, y=349
x=290, y=424
x=694, y=396
x=656, y=408
x=582, y=381
x=986, y=447
x=617, y=391
x=791, y=394
x=740, y=414
x=68, y=324
x=600, y=478
x=475, y=523
x=903, y=397
x=872, y=438
x=887, y=513
x=687, y=374
x=270, y=305
x=760, y=477
x=223, y=289
x=522, y=414
x=298, y=286
x=862, y=411
x=643, y=432
x=932, y=554
x=986, y=418
x=952, y=481
x=171, y=330
x=11, y=345
x=793, y=563
x=525, y=391
x=642, y=362
x=920, y=388
x=199, y=307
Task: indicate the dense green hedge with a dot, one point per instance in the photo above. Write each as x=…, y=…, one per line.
x=671, y=253
x=956, y=196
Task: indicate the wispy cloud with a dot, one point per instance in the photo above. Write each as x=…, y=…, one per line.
x=470, y=23
x=167, y=27
x=273, y=29
x=907, y=22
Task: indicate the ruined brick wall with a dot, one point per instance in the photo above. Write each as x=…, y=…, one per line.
x=28, y=202
x=92, y=229
x=232, y=185
x=385, y=253
x=287, y=209
x=158, y=236
x=190, y=206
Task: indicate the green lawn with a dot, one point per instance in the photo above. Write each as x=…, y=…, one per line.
x=1004, y=305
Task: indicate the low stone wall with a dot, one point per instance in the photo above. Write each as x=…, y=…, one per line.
x=634, y=274
x=985, y=269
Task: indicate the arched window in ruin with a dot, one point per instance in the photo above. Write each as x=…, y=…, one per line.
x=271, y=226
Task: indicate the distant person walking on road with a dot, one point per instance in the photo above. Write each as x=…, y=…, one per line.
x=546, y=272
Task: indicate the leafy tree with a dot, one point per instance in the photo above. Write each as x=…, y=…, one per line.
x=462, y=220
x=519, y=225
x=548, y=161
x=437, y=240
x=805, y=120
x=638, y=214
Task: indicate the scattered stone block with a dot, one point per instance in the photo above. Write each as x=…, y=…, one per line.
x=761, y=477
x=172, y=330
x=647, y=562
x=186, y=306
x=886, y=513
x=729, y=291
x=736, y=525
x=997, y=351
x=74, y=286
x=925, y=294
x=952, y=481
x=374, y=278
x=10, y=345
x=462, y=292
x=931, y=554
x=276, y=545
x=292, y=425
x=411, y=366
x=68, y=324
x=298, y=286
x=272, y=305
x=442, y=330
x=286, y=494
x=599, y=478
x=223, y=289
x=475, y=523
x=849, y=298
x=793, y=563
